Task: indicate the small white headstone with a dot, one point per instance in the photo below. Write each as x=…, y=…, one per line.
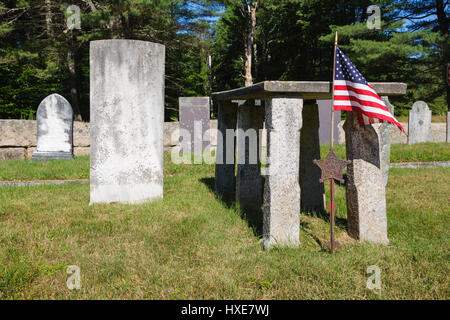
x=419, y=123
x=54, y=129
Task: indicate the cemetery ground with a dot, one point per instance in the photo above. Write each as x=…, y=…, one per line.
x=192, y=245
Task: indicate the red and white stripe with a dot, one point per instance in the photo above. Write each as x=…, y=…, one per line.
x=351, y=96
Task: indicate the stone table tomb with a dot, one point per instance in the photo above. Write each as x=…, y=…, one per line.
x=292, y=184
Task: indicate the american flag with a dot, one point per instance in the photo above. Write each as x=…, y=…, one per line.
x=353, y=93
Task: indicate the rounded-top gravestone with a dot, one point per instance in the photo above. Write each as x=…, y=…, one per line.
x=54, y=129
x=419, y=123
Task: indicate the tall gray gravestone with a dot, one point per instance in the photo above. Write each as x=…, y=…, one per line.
x=194, y=119
x=325, y=122
x=127, y=119
x=419, y=123
x=54, y=129
x=365, y=189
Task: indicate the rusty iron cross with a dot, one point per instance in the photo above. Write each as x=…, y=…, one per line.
x=332, y=168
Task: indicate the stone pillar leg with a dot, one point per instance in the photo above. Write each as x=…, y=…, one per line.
x=366, y=194
x=248, y=178
x=385, y=143
x=281, y=219
x=225, y=153
x=311, y=189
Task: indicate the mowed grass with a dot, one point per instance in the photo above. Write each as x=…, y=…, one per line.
x=78, y=168
x=434, y=118
x=14, y=170
x=419, y=152
x=192, y=245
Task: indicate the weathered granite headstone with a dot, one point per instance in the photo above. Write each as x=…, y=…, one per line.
x=127, y=118
x=325, y=122
x=54, y=129
x=419, y=123
x=194, y=118
x=366, y=193
x=385, y=143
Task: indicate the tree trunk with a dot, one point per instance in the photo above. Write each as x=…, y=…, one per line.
x=72, y=62
x=48, y=18
x=250, y=41
x=443, y=28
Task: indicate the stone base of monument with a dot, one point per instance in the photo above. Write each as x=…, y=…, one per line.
x=42, y=156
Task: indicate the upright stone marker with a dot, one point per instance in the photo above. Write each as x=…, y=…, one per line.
x=366, y=193
x=127, y=118
x=54, y=129
x=419, y=123
x=194, y=118
x=325, y=122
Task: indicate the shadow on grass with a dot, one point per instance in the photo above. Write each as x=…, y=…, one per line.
x=253, y=217
x=305, y=226
x=325, y=215
x=341, y=223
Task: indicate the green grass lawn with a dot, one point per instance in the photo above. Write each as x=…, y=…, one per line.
x=79, y=167
x=193, y=245
x=405, y=152
x=434, y=118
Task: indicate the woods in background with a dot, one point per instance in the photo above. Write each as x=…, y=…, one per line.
x=251, y=42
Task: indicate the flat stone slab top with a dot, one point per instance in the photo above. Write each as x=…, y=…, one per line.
x=308, y=89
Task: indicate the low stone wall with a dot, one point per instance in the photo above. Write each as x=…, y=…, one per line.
x=18, y=137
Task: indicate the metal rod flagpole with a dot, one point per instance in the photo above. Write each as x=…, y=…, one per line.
x=332, y=166
x=332, y=92
x=332, y=205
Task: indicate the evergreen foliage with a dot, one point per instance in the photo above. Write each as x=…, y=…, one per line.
x=293, y=41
